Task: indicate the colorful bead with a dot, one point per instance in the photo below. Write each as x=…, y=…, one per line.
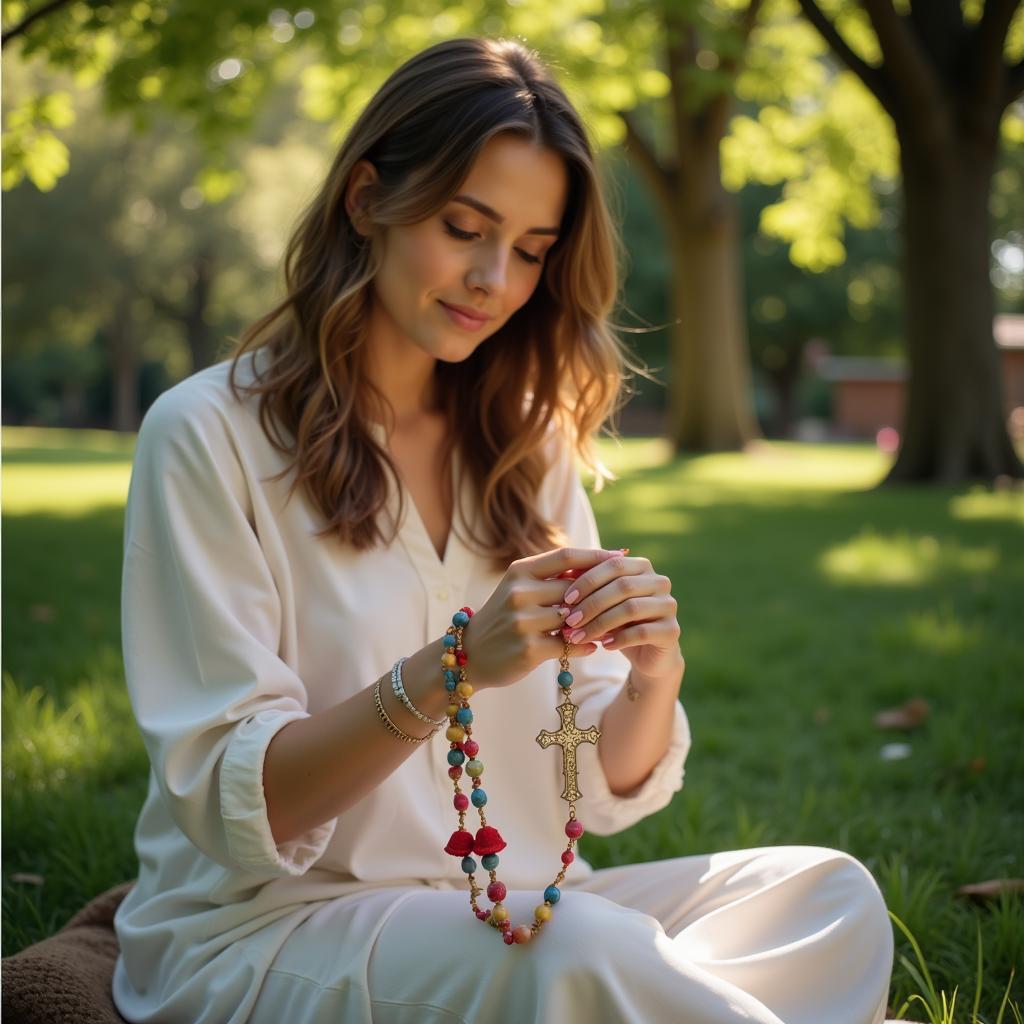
x=475, y=768
x=471, y=747
x=490, y=862
x=450, y=685
x=552, y=894
x=460, y=618
x=574, y=828
x=496, y=892
x=461, y=801
x=449, y=660
x=455, y=733
x=567, y=857
x=479, y=798
x=455, y=772
x=449, y=641
x=522, y=934
x=499, y=913
x=542, y=913
x=508, y=938
x=468, y=865
x=565, y=679
x=464, y=716
x=456, y=757
x=465, y=689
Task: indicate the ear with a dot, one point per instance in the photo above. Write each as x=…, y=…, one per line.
x=361, y=183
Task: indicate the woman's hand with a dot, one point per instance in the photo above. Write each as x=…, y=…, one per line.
x=626, y=605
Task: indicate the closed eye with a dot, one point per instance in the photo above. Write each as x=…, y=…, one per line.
x=466, y=235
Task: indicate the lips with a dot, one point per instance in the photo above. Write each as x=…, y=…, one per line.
x=474, y=314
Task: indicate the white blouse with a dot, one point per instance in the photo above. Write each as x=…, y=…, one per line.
x=236, y=620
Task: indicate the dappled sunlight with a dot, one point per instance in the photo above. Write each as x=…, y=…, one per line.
x=901, y=559
x=933, y=631
x=981, y=504
x=64, y=490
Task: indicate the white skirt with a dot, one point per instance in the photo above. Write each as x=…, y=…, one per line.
x=775, y=935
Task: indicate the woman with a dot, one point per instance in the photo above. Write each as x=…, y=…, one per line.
x=305, y=850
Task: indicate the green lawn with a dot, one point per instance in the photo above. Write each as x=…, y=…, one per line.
x=807, y=602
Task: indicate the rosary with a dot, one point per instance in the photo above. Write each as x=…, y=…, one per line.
x=487, y=842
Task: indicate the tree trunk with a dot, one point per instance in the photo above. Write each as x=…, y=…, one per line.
x=955, y=426
x=711, y=407
x=124, y=368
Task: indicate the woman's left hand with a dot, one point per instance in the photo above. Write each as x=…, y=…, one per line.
x=625, y=599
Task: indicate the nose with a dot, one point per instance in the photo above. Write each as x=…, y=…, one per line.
x=490, y=271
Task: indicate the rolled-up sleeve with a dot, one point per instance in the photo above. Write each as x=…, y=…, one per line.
x=201, y=625
x=598, y=678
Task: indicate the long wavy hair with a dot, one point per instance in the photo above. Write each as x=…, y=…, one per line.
x=555, y=364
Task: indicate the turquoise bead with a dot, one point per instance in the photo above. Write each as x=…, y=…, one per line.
x=450, y=685
x=460, y=618
x=456, y=757
x=451, y=676
x=468, y=865
x=464, y=716
x=552, y=894
x=449, y=640
x=565, y=679
x=490, y=861
x=478, y=797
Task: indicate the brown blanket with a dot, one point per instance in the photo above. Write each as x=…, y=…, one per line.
x=66, y=978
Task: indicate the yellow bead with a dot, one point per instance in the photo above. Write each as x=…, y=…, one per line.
x=455, y=733
x=448, y=660
x=543, y=912
x=464, y=690
x=499, y=912
x=452, y=708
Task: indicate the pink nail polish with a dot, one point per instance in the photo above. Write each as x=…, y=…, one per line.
x=572, y=596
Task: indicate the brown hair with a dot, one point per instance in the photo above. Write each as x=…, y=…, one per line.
x=556, y=359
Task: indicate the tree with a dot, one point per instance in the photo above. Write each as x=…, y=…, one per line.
x=945, y=84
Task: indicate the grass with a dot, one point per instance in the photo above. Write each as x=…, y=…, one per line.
x=807, y=601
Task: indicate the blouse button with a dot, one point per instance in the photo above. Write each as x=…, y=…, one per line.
x=442, y=594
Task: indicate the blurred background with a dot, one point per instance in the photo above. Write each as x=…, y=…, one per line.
x=823, y=211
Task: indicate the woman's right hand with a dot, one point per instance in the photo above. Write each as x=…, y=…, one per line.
x=509, y=636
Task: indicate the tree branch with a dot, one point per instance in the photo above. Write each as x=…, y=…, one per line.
x=1014, y=83
x=905, y=59
x=19, y=29
x=993, y=91
x=875, y=78
x=647, y=161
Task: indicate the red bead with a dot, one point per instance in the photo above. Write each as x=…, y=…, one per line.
x=508, y=938
x=574, y=828
x=461, y=801
x=568, y=856
x=455, y=772
x=496, y=892
x=461, y=658
x=469, y=611
x=470, y=748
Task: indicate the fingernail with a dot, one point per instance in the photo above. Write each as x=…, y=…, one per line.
x=573, y=595
x=577, y=635
x=575, y=617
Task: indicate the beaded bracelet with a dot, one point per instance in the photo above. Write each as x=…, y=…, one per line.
x=398, y=688
x=389, y=725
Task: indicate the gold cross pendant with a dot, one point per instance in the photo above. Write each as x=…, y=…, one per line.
x=569, y=737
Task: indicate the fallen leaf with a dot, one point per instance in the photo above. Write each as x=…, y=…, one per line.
x=991, y=889
x=908, y=715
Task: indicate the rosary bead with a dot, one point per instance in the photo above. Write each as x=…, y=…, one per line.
x=452, y=710
x=449, y=660
x=490, y=861
x=449, y=640
x=455, y=756
x=552, y=894
x=464, y=689
x=479, y=797
x=574, y=828
x=475, y=768
x=496, y=892
x=542, y=913
x=507, y=937
x=460, y=618
x=450, y=685
x=460, y=657
x=468, y=865
x=471, y=747
x=464, y=716
x=565, y=679
x=499, y=913
x=567, y=857
x=461, y=801
x=455, y=733
x=455, y=772
x=522, y=934
x=451, y=676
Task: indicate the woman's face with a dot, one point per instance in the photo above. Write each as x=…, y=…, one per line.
x=462, y=256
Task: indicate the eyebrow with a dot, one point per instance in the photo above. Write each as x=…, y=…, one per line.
x=497, y=217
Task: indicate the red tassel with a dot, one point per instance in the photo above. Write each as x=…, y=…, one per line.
x=460, y=844
x=488, y=840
